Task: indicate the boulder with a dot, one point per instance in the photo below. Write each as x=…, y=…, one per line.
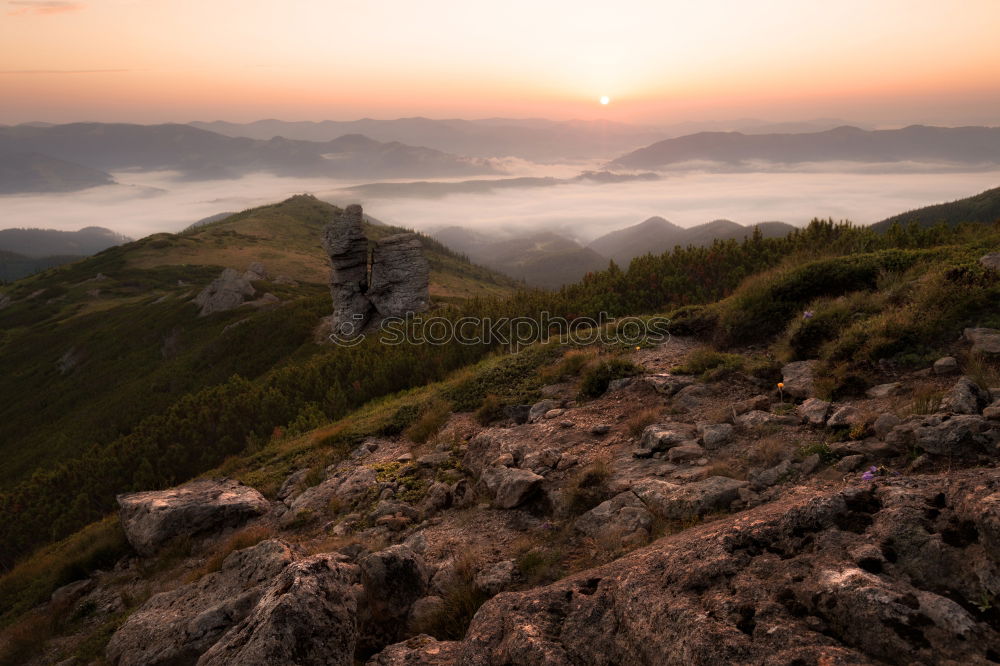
x=771, y=476
x=152, y=518
x=227, y=292
x=179, y=625
x=517, y=413
x=510, y=487
x=692, y=397
x=668, y=385
x=991, y=261
x=993, y=411
x=255, y=272
x=847, y=416
x=663, y=436
x=399, y=276
x=496, y=577
x=757, y=418
x=421, y=650
x=682, y=502
x=540, y=409
x=813, y=411
x=685, y=453
x=393, y=579
x=945, y=435
x=885, y=423
x=945, y=366
x=716, y=435
x=307, y=615
x=757, y=402
x=965, y=397
x=885, y=390
x=5, y=300
x=624, y=517
x=619, y=384
x=798, y=379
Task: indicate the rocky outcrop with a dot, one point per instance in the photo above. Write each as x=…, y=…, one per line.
x=178, y=626
x=390, y=281
x=307, y=615
x=227, y=292
x=991, y=261
x=985, y=341
x=255, y=272
x=880, y=573
x=152, y=518
x=798, y=379
x=394, y=579
x=5, y=300
x=399, y=277
x=965, y=397
x=346, y=245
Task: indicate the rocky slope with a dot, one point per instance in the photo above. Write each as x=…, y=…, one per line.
x=671, y=520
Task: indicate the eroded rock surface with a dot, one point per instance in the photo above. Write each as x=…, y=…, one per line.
x=785, y=583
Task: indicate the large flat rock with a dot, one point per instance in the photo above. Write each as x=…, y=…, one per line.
x=152, y=518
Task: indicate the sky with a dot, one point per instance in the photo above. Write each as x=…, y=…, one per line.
x=888, y=62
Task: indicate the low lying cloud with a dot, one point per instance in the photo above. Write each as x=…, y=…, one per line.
x=43, y=7
x=145, y=203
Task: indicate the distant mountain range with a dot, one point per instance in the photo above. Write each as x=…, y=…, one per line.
x=31, y=172
x=24, y=252
x=543, y=259
x=550, y=260
x=963, y=145
x=656, y=236
x=533, y=138
x=983, y=208
x=201, y=155
x=426, y=189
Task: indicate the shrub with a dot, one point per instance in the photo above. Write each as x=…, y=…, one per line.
x=644, y=417
x=490, y=411
x=588, y=489
x=432, y=418
x=597, y=378
x=710, y=364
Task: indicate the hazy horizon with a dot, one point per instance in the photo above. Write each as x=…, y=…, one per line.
x=152, y=202
x=120, y=60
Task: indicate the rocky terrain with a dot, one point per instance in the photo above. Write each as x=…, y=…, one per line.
x=671, y=520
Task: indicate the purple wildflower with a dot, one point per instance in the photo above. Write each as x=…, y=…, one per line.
x=808, y=314
x=869, y=473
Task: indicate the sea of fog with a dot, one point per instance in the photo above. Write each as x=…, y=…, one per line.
x=150, y=202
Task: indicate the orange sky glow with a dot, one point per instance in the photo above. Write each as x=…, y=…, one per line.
x=888, y=62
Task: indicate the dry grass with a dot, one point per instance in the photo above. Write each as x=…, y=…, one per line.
x=729, y=467
x=768, y=452
x=571, y=365
x=644, y=417
x=244, y=538
x=432, y=418
x=588, y=488
x=926, y=399
x=983, y=371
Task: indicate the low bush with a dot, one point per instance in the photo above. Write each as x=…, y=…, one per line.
x=432, y=418
x=596, y=378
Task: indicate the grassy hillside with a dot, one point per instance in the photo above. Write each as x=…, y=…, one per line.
x=288, y=385
x=92, y=348
x=983, y=208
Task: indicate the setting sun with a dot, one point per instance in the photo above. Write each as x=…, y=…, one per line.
x=605, y=99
